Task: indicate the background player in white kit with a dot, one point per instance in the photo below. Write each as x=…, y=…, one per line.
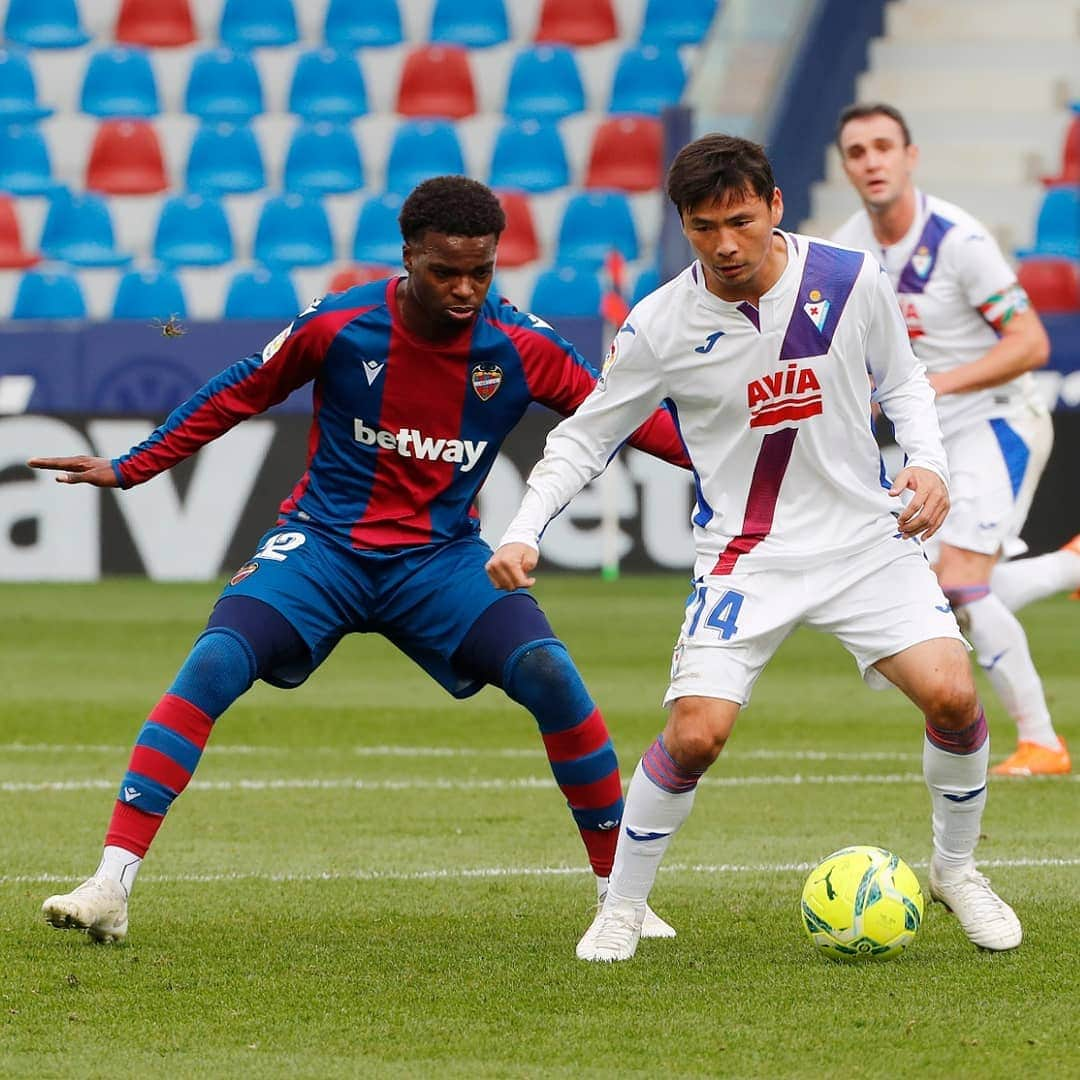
x=760, y=347
x=972, y=326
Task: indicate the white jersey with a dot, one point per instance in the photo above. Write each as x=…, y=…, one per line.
x=773, y=404
x=953, y=284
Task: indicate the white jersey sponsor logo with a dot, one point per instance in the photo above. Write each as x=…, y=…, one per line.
x=411, y=443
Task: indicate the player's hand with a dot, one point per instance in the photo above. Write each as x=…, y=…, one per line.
x=929, y=504
x=78, y=470
x=512, y=565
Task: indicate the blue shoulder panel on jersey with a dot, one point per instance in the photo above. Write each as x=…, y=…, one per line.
x=923, y=259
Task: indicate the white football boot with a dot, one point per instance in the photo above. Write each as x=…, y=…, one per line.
x=98, y=906
x=614, y=932
x=986, y=919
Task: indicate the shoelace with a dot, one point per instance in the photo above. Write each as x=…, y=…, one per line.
x=616, y=930
x=975, y=888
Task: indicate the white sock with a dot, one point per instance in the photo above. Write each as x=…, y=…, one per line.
x=1002, y=648
x=1023, y=581
x=601, y=887
x=119, y=865
x=956, y=820
x=650, y=818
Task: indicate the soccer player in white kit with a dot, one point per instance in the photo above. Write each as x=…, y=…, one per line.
x=761, y=347
x=971, y=324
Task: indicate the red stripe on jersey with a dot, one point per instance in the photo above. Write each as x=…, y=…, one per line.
x=774, y=414
x=424, y=394
x=289, y=505
x=154, y=765
x=185, y=719
x=772, y=463
x=573, y=743
x=597, y=794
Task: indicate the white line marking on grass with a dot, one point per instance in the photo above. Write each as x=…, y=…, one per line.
x=448, y=752
x=528, y=783
x=487, y=872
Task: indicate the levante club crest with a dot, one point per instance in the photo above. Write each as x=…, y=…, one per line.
x=486, y=380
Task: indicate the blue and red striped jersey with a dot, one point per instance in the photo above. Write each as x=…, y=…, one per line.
x=404, y=430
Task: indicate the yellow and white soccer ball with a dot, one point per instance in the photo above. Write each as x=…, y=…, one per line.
x=862, y=903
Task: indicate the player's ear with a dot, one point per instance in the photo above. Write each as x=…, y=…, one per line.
x=777, y=207
x=406, y=257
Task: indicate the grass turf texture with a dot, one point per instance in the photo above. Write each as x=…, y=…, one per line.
x=395, y=963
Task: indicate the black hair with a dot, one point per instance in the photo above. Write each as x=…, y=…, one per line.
x=453, y=206
x=874, y=108
x=715, y=166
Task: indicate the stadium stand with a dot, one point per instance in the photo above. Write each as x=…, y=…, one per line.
x=151, y=292
x=350, y=25
x=78, y=230
x=293, y=231
x=323, y=159
x=518, y=245
x=155, y=23
x=1057, y=229
x=647, y=79
x=45, y=24
x=684, y=23
x=223, y=86
x=422, y=148
x=436, y=80
x=250, y=24
x=530, y=156
x=567, y=291
x=627, y=153
x=225, y=159
x=193, y=230
x=594, y=224
x=119, y=81
x=261, y=293
x=25, y=164
x=1052, y=283
x=476, y=25
x=49, y=292
x=126, y=159
x=377, y=238
x=13, y=255
x=18, y=89
x=545, y=84
x=327, y=84
x=576, y=22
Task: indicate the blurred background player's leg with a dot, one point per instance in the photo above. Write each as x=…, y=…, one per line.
x=1020, y=582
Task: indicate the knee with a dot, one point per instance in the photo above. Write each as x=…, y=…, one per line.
x=696, y=732
x=542, y=677
x=219, y=668
x=952, y=706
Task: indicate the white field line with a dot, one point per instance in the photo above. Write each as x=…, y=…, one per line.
x=488, y=872
x=445, y=752
x=525, y=783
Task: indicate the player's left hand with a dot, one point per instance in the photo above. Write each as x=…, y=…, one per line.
x=929, y=503
x=511, y=566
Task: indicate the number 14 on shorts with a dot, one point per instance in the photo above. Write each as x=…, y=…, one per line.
x=722, y=616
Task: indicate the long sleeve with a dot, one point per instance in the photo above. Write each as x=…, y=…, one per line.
x=902, y=389
x=580, y=447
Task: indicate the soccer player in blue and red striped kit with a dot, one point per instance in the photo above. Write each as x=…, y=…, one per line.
x=417, y=381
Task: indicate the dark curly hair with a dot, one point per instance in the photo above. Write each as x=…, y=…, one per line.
x=453, y=206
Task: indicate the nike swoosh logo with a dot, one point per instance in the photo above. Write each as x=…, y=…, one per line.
x=635, y=834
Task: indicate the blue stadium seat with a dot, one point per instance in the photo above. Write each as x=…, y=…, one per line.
x=566, y=290
x=422, y=149
x=293, y=231
x=327, y=84
x=250, y=24
x=192, y=230
x=677, y=22
x=224, y=86
x=1057, y=230
x=119, y=82
x=225, y=160
x=25, y=168
x=323, y=159
x=476, y=25
x=544, y=84
x=647, y=79
x=18, y=91
x=529, y=155
x=50, y=292
x=350, y=25
x=78, y=229
x=152, y=292
x=595, y=223
x=378, y=237
x=261, y=293
x=44, y=24
x=647, y=281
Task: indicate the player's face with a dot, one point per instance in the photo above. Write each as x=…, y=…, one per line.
x=449, y=278
x=876, y=161
x=734, y=240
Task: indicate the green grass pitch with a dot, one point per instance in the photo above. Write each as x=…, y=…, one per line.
x=370, y=879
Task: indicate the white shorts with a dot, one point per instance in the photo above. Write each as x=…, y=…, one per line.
x=994, y=468
x=877, y=604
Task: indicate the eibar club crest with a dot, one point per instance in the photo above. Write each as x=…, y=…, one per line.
x=922, y=260
x=486, y=380
x=817, y=308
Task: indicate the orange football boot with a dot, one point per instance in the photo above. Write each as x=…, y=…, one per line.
x=1074, y=546
x=1032, y=759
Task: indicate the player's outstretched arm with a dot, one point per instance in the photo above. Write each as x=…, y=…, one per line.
x=79, y=470
x=929, y=503
x=511, y=566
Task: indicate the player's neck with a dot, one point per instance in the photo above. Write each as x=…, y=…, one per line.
x=891, y=223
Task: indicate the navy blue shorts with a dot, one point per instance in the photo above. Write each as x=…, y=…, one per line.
x=422, y=599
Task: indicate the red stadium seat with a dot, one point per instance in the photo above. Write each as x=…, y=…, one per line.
x=626, y=154
x=155, y=23
x=1052, y=283
x=126, y=159
x=436, y=81
x=349, y=276
x=518, y=244
x=13, y=256
x=577, y=22
x=1070, y=156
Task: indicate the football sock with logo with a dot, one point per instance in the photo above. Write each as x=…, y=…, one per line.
x=219, y=668
x=1002, y=649
x=954, y=766
x=1023, y=581
x=541, y=676
x=658, y=801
